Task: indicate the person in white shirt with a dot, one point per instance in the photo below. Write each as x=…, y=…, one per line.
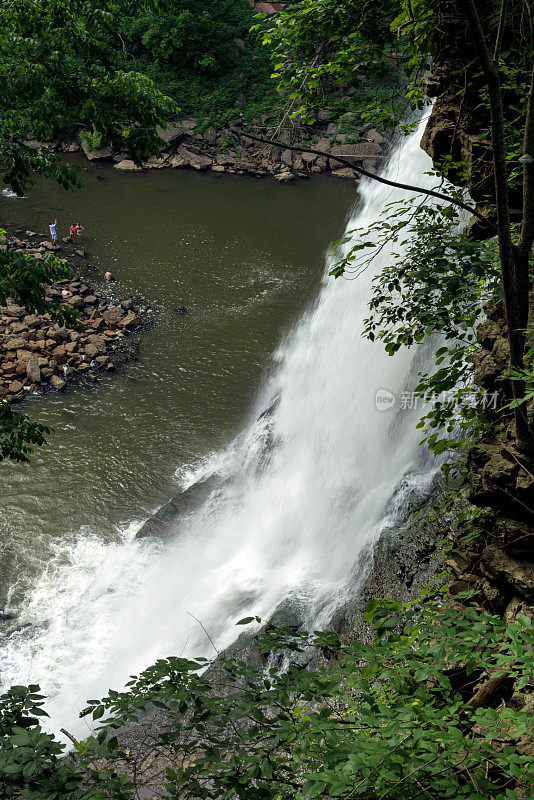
x=53, y=231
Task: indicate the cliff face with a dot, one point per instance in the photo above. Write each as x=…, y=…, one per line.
x=499, y=561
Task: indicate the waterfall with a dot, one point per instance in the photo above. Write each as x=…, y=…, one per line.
x=302, y=493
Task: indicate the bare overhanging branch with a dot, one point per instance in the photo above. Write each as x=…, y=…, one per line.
x=379, y=178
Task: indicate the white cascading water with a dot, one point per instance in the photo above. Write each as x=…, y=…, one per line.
x=303, y=493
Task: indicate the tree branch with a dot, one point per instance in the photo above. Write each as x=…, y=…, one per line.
x=526, y=237
x=379, y=178
x=514, y=263
x=500, y=30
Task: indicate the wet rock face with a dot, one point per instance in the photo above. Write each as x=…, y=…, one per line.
x=454, y=125
x=500, y=562
x=37, y=353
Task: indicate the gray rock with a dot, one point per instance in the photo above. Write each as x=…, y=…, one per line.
x=101, y=154
x=127, y=166
x=357, y=151
x=173, y=133
x=518, y=575
x=211, y=136
x=57, y=383
x=194, y=160
x=33, y=371
x=15, y=343
x=284, y=177
x=287, y=158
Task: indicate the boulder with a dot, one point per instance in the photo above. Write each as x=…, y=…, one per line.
x=59, y=352
x=356, y=152
x=15, y=387
x=373, y=136
x=225, y=160
x=173, y=133
x=32, y=321
x=15, y=343
x=154, y=162
x=127, y=166
x=487, y=333
x=57, y=383
x=33, y=370
x=287, y=158
x=13, y=310
x=100, y=154
x=76, y=301
x=113, y=315
x=92, y=350
x=346, y=172
x=211, y=136
x=486, y=371
x=194, y=160
x=501, y=352
x=284, y=177
x=177, y=162
x=518, y=575
x=131, y=320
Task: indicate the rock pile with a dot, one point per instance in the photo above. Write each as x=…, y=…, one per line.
x=37, y=353
x=220, y=150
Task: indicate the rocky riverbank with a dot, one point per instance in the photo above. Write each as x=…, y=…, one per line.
x=37, y=354
x=228, y=150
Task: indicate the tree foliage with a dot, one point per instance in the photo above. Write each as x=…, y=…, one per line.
x=203, y=54
x=401, y=717
x=493, y=45
x=59, y=75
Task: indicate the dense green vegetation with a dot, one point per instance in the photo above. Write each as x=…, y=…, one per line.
x=203, y=55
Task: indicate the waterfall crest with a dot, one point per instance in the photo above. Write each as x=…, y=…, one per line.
x=302, y=493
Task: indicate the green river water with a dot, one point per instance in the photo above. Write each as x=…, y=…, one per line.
x=246, y=258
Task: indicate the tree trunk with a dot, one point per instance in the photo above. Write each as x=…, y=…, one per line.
x=514, y=258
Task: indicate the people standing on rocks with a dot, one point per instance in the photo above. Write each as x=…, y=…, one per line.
x=53, y=231
x=79, y=229
x=108, y=276
x=72, y=232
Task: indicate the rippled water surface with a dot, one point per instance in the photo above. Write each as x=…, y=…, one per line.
x=245, y=257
